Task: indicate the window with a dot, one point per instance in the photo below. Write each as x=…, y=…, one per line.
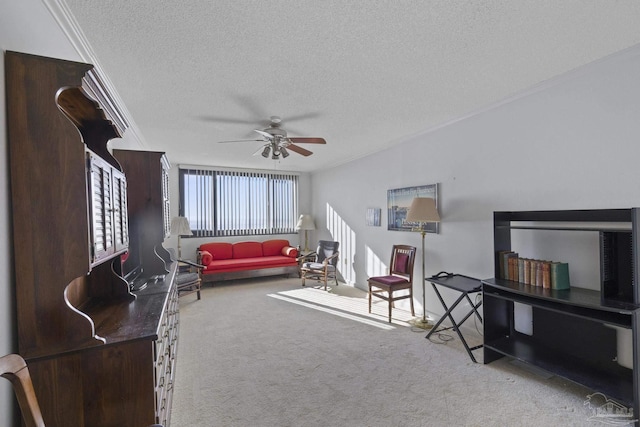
x=232, y=203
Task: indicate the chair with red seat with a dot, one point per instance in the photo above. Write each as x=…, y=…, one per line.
x=400, y=277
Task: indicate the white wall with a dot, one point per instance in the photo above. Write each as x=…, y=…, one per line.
x=572, y=143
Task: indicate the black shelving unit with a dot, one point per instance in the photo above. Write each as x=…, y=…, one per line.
x=572, y=337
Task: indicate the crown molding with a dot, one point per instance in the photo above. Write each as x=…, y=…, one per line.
x=97, y=82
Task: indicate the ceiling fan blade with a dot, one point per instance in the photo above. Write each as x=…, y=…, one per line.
x=299, y=150
x=301, y=117
x=219, y=119
x=249, y=103
x=265, y=134
x=305, y=140
x=241, y=140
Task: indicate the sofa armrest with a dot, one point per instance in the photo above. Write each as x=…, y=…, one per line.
x=204, y=258
x=290, y=251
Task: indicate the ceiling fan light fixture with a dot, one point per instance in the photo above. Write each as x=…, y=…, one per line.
x=274, y=140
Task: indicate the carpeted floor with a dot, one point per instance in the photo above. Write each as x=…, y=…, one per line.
x=271, y=353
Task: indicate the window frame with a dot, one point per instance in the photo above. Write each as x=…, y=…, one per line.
x=281, y=191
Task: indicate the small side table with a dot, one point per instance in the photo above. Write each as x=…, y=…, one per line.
x=465, y=285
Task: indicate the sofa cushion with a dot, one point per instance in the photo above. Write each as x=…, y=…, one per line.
x=289, y=251
x=318, y=266
x=249, y=263
x=389, y=280
x=205, y=257
x=273, y=247
x=218, y=250
x=247, y=250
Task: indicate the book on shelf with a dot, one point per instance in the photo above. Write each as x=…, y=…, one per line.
x=539, y=273
x=512, y=262
x=533, y=268
x=521, y=270
x=502, y=260
x=546, y=274
x=560, y=275
x=533, y=272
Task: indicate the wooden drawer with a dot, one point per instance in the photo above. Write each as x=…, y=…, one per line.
x=165, y=358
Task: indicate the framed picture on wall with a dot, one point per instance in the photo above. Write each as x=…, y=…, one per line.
x=398, y=202
x=373, y=217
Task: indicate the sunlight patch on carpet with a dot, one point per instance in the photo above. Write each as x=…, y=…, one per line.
x=334, y=312
x=347, y=302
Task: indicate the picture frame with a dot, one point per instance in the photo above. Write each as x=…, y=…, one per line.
x=398, y=203
x=373, y=217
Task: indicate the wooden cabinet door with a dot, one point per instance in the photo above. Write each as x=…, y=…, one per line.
x=101, y=207
x=108, y=209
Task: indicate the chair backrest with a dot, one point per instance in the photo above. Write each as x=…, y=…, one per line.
x=402, y=259
x=326, y=248
x=14, y=368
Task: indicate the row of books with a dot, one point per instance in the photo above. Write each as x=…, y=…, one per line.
x=534, y=272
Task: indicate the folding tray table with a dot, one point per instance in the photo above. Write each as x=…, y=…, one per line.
x=465, y=285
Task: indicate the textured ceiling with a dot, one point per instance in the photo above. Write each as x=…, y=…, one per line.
x=364, y=75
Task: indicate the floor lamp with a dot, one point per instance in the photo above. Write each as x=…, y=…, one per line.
x=180, y=227
x=305, y=222
x=423, y=210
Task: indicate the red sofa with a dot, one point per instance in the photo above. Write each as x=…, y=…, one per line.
x=226, y=261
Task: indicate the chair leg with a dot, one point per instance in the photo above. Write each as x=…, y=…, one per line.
x=390, y=304
x=303, y=277
x=369, y=297
x=411, y=300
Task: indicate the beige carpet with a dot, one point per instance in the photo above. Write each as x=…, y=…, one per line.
x=271, y=353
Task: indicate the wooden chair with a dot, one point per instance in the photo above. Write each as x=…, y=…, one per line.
x=400, y=277
x=321, y=264
x=14, y=368
x=188, y=279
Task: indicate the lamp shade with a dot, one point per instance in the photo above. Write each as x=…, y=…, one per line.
x=423, y=209
x=305, y=222
x=180, y=227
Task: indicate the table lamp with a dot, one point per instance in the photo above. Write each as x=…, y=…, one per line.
x=180, y=227
x=305, y=222
x=423, y=210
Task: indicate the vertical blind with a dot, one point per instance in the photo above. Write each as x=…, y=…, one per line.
x=235, y=203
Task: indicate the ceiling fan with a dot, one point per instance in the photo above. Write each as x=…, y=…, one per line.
x=277, y=143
